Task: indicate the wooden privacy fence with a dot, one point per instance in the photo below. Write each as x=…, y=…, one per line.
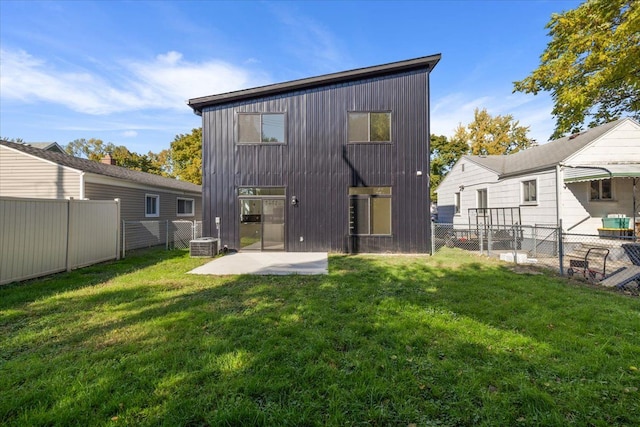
x=42, y=236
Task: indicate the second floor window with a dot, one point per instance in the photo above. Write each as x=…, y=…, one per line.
x=255, y=128
x=369, y=127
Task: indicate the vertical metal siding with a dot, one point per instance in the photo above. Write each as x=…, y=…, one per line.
x=317, y=165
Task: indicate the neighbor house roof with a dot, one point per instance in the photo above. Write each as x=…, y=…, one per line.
x=426, y=62
x=543, y=156
x=49, y=146
x=103, y=169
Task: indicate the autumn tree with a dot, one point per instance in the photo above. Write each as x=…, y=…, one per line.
x=96, y=149
x=591, y=66
x=185, y=157
x=492, y=135
x=445, y=152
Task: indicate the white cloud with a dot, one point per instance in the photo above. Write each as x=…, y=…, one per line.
x=166, y=82
x=130, y=134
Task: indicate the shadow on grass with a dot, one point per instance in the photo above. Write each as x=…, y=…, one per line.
x=379, y=341
x=42, y=287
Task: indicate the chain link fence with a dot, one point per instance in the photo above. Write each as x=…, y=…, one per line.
x=611, y=261
x=171, y=234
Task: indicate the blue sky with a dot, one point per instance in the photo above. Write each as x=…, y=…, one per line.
x=122, y=71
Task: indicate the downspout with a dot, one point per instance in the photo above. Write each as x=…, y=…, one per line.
x=82, y=186
x=559, y=183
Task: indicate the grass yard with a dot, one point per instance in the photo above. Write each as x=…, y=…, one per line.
x=452, y=340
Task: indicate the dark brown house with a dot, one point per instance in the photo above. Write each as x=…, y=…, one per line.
x=338, y=162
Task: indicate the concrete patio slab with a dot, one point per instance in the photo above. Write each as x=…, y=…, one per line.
x=267, y=263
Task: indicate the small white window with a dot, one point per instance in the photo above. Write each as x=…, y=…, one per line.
x=185, y=207
x=601, y=190
x=456, y=202
x=482, y=200
x=530, y=192
x=152, y=205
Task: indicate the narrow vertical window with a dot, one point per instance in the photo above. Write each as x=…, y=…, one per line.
x=529, y=192
x=456, y=202
x=152, y=205
x=482, y=202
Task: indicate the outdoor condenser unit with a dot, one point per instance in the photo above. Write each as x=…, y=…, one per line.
x=204, y=247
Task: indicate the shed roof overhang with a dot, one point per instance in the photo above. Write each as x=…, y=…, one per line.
x=426, y=62
x=596, y=172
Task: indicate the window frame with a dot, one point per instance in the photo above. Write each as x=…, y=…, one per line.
x=600, y=198
x=456, y=203
x=369, y=113
x=369, y=198
x=193, y=206
x=261, y=114
x=523, y=192
x=482, y=200
x=156, y=199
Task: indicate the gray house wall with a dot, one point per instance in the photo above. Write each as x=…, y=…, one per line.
x=317, y=165
x=132, y=201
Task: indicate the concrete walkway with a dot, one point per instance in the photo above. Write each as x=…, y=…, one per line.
x=266, y=263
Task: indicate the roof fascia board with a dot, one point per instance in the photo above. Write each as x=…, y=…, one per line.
x=481, y=165
x=528, y=171
x=117, y=182
x=78, y=171
x=428, y=62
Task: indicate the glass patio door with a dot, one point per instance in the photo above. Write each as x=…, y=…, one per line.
x=262, y=224
x=251, y=224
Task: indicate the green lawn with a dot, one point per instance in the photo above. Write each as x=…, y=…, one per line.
x=452, y=340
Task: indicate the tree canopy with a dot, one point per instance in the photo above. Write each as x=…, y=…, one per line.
x=487, y=134
x=591, y=66
x=96, y=149
x=185, y=156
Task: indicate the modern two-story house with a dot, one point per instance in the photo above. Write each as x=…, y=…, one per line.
x=337, y=162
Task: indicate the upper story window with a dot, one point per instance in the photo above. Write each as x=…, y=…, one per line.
x=186, y=207
x=260, y=128
x=530, y=192
x=152, y=205
x=369, y=127
x=601, y=190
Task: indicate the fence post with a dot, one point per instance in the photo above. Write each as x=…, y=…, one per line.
x=117, y=200
x=560, y=247
x=489, y=241
x=124, y=239
x=534, y=231
x=166, y=243
x=515, y=244
x=433, y=238
x=70, y=223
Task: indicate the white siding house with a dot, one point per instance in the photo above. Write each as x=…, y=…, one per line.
x=576, y=180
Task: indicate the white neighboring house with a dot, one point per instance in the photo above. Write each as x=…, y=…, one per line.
x=576, y=180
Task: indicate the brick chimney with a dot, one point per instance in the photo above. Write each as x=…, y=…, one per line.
x=108, y=160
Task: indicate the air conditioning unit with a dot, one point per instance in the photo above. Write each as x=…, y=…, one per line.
x=204, y=247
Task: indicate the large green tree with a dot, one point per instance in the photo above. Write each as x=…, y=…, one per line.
x=185, y=157
x=488, y=134
x=591, y=66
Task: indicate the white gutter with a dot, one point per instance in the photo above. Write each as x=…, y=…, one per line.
x=82, y=186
